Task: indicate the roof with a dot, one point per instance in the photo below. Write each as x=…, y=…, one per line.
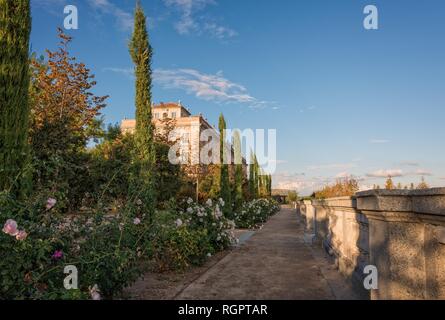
x=170, y=105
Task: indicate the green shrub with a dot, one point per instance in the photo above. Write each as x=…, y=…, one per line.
x=256, y=212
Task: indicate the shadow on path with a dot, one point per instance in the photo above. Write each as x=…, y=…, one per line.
x=273, y=264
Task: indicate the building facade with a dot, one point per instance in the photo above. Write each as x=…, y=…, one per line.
x=188, y=132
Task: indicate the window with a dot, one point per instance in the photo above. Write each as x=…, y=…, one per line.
x=156, y=115
x=165, y=115
x=173, y=115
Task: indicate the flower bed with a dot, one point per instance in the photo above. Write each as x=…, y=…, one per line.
x=109, y=252
x=255, y=213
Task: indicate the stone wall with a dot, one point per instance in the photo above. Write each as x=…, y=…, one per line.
x=400, y=232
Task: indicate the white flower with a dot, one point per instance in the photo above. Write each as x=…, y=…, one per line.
x=95, y=293
x=178, y=223
x=209, y=203
x=190, y=210
x=218, y=213
x=139, y=202
x=136, y=221
x=189, y=201
x=221, y=201
x=209, y=254
x=50, y=203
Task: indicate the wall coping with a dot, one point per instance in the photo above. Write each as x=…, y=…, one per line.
x=424, y=202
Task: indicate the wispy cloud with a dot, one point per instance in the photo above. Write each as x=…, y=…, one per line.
x=123, y=18
x=189, y=22
x=422, y=172
x=385, y=173
x=209, y=87
x=409, y=164
x=378, y=141
x=340, y=166
x=128, y=72
x=218, y=31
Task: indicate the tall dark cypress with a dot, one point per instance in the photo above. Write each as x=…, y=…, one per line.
x=15, y=29
x=252, y=176
x=145, y=157
x=238, y=171
x=225, y=190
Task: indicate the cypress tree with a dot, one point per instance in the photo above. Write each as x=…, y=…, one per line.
x=15, y=28
x=256, y=177
x=251, y=177
x=143, y=179
x=238, y=171
x=225, y=192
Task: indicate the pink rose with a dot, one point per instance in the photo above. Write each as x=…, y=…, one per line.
x=95, y=292
x=22, y=235
x=50, y=203
x=57, y=255
x=10, y=228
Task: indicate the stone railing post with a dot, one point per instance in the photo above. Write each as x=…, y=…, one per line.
x=406, y=242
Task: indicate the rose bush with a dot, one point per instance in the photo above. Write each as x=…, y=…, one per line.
x=256, y=212
x=189, y=234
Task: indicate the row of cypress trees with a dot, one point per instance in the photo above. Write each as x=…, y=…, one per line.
x=260, y=184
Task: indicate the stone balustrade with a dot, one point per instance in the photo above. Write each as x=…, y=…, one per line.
x=400, y=232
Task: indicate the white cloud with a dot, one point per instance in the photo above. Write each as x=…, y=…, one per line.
x=343, y=175
x=409, y=163
x=128, y=72
x=378, y=141
x=340, y=166
x=422, y=172
x=386, y=173
x=189, y=23
x=209, y=87
x=123, y=18
x=206, y=86
x=219, y=32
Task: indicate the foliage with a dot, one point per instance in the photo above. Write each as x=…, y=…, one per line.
x=389, y=184
x=292, y=196
x=105, y=249
x=63, y=119
x=225, y=188
x=15, y=28
x=341, y=188
x=256, y=212
x=188, y=234
x=143, y=177
x=239, y=196
x=423, y=185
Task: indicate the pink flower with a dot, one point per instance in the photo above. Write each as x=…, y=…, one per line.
x=137, y=221
x=50, y=203
x=57, y=255
x=95, y=293
x=22, y=235
x=10, y=228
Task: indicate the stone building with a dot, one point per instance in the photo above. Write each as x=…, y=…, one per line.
x=188, y=129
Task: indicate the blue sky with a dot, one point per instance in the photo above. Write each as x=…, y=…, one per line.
x=344, y=100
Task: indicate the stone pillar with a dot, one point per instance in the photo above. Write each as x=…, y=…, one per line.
x=310, y=230
x=405, y=228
